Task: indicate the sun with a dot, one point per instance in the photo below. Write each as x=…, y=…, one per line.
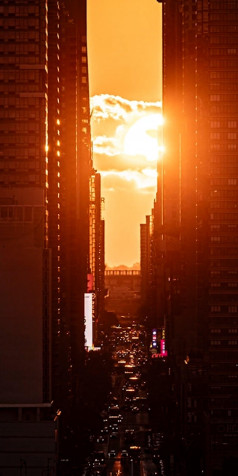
x=142, y=137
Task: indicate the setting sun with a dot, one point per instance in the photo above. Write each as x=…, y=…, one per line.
x=142, y=137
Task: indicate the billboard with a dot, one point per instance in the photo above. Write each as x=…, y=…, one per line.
x=88, y=316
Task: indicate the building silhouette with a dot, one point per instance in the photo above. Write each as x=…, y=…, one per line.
x=123, y=292
x=145, y=260
x=96, y=251
x=45, y=166
x=195, y=223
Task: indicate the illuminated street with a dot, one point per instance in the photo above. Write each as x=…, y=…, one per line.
x=126, y=437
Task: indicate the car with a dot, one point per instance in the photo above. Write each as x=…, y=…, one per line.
x=129, y=431
x=112, y=454
x=114, y=434
x=114, y=426
x=100, y=439
x=124, y=454
x=135, y=452
x=98, y=458
x=155, y=456
x=113, y=420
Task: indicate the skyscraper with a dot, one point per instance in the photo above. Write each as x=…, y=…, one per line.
x=96, y=250
x=25, y=268
x=197, y=194
x=145, y=259
x=45, y=163
x=75, y=170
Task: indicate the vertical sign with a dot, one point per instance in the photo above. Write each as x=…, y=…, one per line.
x=154, y=338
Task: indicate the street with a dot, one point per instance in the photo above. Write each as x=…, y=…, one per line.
x=126, y=439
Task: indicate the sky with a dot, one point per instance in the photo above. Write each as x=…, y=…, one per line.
x=124, y=54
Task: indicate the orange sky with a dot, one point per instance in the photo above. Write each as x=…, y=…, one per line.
x=125, y=86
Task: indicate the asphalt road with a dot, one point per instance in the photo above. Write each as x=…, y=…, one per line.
x=136, y=420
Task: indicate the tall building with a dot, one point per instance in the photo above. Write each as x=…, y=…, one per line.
x=25, y=255
x=72, y=164
x=96, y=250
x=45, y=163
x=197, y=223
x=149, y=271
x=145, y=259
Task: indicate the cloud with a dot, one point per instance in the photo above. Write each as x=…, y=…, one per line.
x=122, y=140
x=106, y=145
x=143, y=181
x=105, y=106
x=118, y=162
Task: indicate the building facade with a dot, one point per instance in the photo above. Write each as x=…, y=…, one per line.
x=45, y=164
x=123, y=292
x=25, y=255
x=96, y=250
x=145, y=259
x=196, y=226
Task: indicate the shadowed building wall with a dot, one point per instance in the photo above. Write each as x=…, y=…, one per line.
x=198, y=228
x=45, y=161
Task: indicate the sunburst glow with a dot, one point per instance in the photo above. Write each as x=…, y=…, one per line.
x=127, y=143
x=143, y=137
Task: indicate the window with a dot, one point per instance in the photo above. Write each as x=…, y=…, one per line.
x=232, y=309
x=231, y=135
x=232, y=123
x=215, y=97
x=28, y=213
x=3, y=212
x=215, y=308
x=215, y=135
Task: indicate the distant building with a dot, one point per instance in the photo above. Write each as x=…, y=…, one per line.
x=196, y=227
x=145, y=259
x=96, y=249
x=123, y=291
